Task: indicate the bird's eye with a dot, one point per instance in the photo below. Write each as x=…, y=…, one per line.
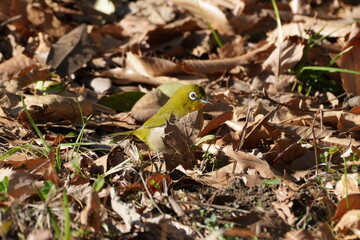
x=192, y=95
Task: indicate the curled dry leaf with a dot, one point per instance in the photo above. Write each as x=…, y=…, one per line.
x=284, y=152
x=54, y=108
x=301, y=132
x=125, y=76
x=156, y=182
x=301, y=24
x=204, y=67
x=209, y=13
x=246, y=160
x=151, y=66
x=285, y=196
x=216, y=122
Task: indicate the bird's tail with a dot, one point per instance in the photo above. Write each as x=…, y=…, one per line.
x=120, y=135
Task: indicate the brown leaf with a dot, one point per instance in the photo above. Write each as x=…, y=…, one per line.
x=90, y=215
x=246, y=160
x=325, y=232
x=148, y=105
x=180, y=136
x=239, y=232
x=14, y=65
x=54, y=108
x=124, y=76
x=40, y=234
x=21, y=183
x=285, y=196
x=204, y=67
x=348, y=184
x=151, y=66
x=283, y=152
x=210, y=12
x=349, y=61
x=283, y=209
x=301, y=234
x=71, y=51
x=291, y=52
x=301, y=132
x=353, y=201
x=216, y=122
x=349, y=221
x=155, y=182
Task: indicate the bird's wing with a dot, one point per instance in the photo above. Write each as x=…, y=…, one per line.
x=159, y=119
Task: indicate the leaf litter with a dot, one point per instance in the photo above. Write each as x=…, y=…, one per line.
x=277, y=156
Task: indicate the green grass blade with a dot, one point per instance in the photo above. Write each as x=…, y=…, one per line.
x=37, y=130
x=54, y=224
x=328, y=69
x=278, y=19
x=333, y=60
x=67, y=219
x=213, y=31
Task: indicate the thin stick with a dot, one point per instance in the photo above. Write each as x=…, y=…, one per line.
x=149, y=194
x=314, y=141
x=214, y=206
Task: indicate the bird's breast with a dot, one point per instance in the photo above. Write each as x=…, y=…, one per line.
x=155, y=140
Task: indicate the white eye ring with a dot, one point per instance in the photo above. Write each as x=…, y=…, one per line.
x=192, y=95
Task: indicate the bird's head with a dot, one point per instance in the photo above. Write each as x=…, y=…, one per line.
x=189, y=98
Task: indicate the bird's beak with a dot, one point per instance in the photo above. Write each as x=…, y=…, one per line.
x=206, y=101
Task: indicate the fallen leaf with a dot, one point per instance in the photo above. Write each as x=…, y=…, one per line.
x=246, y=160
x=351, y=202
x=90, y=215
x=348, y=61
x=126, y=211
x=349, y=221
x=71, y=51
x=348, y=184
x=301, y=234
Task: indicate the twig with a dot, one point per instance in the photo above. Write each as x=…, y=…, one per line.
x=14, y=18
x=314, y=141
x=149, y=194
x=214, y=206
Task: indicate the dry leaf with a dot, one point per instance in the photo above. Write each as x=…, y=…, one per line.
x=209, y=12
x=246, y=160
x=348, y=184
x=291, y=52
x=301, y=234
x=71, y=51
x=348, y=61
x=352, y=201
x=54, y=108
x=90, y=215
x=349, y=221
x=126, y=211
